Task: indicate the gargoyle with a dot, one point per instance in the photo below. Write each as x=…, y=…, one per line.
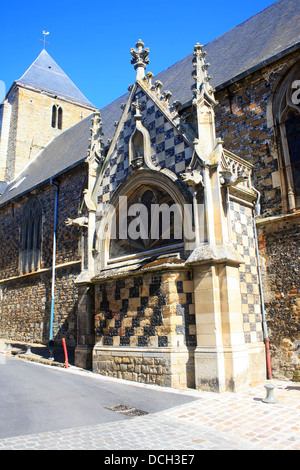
x=192, y=178
x=230, y=179
x=79, y=222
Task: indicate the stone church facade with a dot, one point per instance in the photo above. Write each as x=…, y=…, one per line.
x=134, y=233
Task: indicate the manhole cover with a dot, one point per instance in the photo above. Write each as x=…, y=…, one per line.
x=127, y=410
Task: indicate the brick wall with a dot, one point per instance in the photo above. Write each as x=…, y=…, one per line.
x=25, y=305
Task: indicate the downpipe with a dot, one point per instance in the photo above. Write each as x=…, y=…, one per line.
x=256, y=213
x=53, y=267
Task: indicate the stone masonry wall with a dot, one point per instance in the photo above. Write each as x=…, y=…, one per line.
x=243, y=122
x=31, y=128
x=135, y=315
x=153, y=310
x=244, y=242
x=25, y=299
x=25, y=305
x=279, y=245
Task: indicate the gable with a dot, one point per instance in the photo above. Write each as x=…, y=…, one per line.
x=170, y=149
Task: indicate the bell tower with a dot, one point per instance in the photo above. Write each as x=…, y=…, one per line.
x=40, y=105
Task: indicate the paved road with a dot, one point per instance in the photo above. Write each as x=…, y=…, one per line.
x=44, y=407
x=35, y=398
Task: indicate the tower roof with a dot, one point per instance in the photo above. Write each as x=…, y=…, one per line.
x=44, y=74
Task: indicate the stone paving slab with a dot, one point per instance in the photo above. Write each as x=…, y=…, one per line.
x=246, y=417
x=154, y=432
x=213, y=422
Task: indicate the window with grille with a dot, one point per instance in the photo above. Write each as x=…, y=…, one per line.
x=31, y=232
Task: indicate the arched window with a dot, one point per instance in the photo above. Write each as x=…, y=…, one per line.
x=286, y=112
x=31, y=232
x=292, y=128
x=148, y=216
x=57, y=116
x=152, y=223
x=54, y=113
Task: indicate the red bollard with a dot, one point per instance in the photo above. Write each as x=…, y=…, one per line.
x=66, y=353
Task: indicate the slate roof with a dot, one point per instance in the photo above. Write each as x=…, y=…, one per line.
x=252, y=44
x=3, y=186
x=61, y=154
x=45, y=74
x=245, y=48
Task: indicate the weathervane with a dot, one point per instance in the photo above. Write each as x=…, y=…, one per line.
x=45, y=33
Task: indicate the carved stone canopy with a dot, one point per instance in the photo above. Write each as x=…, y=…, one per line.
x=95, y=151
x=202, y=89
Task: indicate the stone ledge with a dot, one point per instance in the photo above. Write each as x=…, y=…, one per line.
x=214, y=254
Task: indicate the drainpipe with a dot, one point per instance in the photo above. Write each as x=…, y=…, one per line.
x=53, y=264
x=256, y=213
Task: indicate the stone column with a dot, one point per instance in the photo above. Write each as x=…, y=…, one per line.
x=221, y=356
x=85, y=327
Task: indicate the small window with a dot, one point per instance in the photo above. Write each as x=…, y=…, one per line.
x=57, y=116
x=53, y=123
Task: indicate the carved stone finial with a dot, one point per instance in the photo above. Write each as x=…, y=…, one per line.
x=166, y=96
x=140, y=59
x=229, y=179
x=176, y=105
x=148, y=78
x=157, y=86
x=95, y=152
x=202, y=88
x=137, y=107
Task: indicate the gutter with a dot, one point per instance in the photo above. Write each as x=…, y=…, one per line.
x=36, y=186
x=255, y=68
x=56, y=187
x=260, y=65
x=256, y=213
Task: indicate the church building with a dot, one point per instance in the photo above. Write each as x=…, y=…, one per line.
x=160, y=234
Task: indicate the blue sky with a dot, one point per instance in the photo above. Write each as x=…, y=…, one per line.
x=91, y=39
